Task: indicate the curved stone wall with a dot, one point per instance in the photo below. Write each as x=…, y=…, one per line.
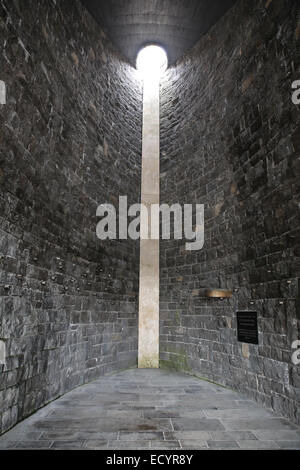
x=230, y=141
x=70, y=140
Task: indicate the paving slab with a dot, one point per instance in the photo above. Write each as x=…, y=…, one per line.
x=289, y=445
x=190, y=444
x=165, y=445
x=222, y=445
x=95, y=444
x=258, y=445
x=251, y=424
x=194, y=424
x=152, y=409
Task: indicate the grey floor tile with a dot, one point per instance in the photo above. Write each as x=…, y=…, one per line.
x=96, y=412
x=192, y=414
x=292, y=445
x=155, y=424
x=141, y=436
x=187, y=435
x=222, y=445
x=67, y=435
x=165, y=445
x=6, y=445
x=21, y=436
x=232, y=436
x=67, y=445
x=194, y=424
x=193, y=444
x=152, y=409
x=95, y=444
x=34, y=445
x=237, y=413
x=278, y=435
x=161, y=414
x=129, y=445
x=258, y=445
x=250, y=424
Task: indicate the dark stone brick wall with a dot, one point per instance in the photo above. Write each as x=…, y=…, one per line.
x=70, y=140
x=231, y=141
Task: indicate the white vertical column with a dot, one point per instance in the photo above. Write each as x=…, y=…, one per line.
x=2, y=92
x=2, y=353
x=148, y=351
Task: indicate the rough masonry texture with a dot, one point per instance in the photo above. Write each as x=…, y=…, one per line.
x=231, y=141
x=70, y=138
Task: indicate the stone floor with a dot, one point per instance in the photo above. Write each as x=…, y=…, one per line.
x=152, y=409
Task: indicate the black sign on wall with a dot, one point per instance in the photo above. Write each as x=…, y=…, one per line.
x=247, y=327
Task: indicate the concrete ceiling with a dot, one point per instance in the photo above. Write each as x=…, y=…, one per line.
x=175, y=25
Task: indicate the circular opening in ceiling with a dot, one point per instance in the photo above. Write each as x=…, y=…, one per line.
x=152, y=61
